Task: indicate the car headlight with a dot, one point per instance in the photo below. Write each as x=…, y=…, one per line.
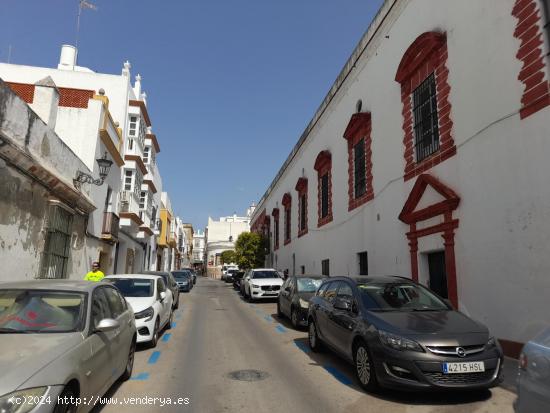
x=255, y=286
x=399, y=343
x=303, y=303
x=148, y=314
x=22, y=401
x=491, y=343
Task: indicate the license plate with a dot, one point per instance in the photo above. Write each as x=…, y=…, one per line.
x=470, y=367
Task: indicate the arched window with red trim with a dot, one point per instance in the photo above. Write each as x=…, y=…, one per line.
x=287, y=203
x=323, y=166
x=301, y=188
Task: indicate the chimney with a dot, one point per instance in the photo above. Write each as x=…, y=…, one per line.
x=46, y=101
x=67, y=60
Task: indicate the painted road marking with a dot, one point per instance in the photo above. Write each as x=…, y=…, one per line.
x=174, y=324
x=166, y=337
x=338, y=375
x=154, y=357
x=280, y=329
x=178, y=316
x=302, y=346
x=268, y=318
x=140, y=377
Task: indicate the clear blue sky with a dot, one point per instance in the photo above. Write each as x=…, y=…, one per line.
x=231, y=84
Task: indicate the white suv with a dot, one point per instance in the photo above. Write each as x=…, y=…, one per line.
x=261, y=283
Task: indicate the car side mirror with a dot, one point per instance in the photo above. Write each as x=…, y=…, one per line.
x=162, y=296
x=342, y=304
x=106, y=325
x=287, y=289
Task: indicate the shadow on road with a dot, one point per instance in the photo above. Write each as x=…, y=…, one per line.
x=344, y=372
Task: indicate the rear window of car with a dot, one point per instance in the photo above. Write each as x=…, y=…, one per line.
x=399, y=297
x=181, y=274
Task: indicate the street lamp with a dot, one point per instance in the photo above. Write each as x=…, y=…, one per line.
x=104, y=167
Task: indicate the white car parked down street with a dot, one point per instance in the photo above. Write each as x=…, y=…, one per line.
x=261, y=283
x=150, y=300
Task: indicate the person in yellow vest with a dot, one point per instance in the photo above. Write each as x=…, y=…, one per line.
x=96, y=274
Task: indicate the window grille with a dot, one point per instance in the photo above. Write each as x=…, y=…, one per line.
x=324, y=195
x=360, y=176
x=58, y=243
x=425, y=119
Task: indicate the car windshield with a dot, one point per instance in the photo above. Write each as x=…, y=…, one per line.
x=133, y=287
x=39, y=311
x=308, y=285
x=264, y=274
x=231, y=272
x=181, y=275
x=399, y=297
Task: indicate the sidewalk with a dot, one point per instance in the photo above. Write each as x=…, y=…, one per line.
x=509, y=374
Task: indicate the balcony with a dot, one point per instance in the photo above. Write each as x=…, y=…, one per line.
x=129, y=210
x=109, y=231
x=147, y=228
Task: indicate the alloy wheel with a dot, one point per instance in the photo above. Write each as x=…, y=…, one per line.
x=313, y=339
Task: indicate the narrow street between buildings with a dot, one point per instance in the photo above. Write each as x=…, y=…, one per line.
x=225, y=354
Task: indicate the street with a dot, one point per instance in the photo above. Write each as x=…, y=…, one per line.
x=217, y=335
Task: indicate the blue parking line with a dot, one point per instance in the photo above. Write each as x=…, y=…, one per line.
x=154, y=357
x=302, y=346
x=166, y=337
x=338, y=375
x=140, y=377
x=178, y=316
x=174, y=324
x=268, y=318
x=280, y=329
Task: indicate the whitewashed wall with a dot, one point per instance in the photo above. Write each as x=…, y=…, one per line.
x=500, y=170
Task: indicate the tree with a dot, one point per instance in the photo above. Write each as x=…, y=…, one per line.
x=250, y=250
x=228, y=257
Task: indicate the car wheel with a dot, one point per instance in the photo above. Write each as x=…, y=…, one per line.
x=68, y=407
x=279, y=312
x=155, y=338
x=294, y=317
x=364, y=367
x=313, y=337
x=130, y=363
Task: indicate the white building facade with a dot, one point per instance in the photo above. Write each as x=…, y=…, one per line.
x=427, y=159
x=103, y=115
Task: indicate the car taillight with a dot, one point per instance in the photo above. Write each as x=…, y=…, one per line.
x=523, y=361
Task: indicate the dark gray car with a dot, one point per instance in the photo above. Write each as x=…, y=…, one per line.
x=534, y=375
x=171, y=283
x=293, y=301
x=399, y=334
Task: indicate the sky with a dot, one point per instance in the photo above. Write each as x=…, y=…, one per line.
x=231, y=84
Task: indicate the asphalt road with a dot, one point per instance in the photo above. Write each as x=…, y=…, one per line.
x=216, y=333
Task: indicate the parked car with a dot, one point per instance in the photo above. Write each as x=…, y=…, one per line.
x=151, y=302
x=63, y=339
x=170, y=283
x=399, y=334
x=237, y=278
x=293, y=301
x=261, y=283
x=230, y=274
x=193, y=274
x=184, y=279
x=534, y=375
x=226, y=268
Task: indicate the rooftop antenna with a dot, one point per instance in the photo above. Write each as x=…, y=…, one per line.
x=9, y=53
x=82, y=4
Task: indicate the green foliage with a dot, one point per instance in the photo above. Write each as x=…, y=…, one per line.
x=229, y=257
x=250, y=249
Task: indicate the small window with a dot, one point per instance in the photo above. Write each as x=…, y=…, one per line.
x=360, y=176
x=345, y=291
x=324, y=195
x=146, y=155
x=132, y=126
x=363, y=263
x=287, y=224
x=322, y=289
x=303, y=206
x=302, y=269
x=142, y=199
x=276, y=232
x=425, y=119
x=128, y=180
x=325, y=267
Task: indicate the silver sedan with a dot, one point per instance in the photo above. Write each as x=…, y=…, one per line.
x=62, y=344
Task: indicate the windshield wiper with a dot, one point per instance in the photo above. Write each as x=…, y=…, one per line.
x=426, y=309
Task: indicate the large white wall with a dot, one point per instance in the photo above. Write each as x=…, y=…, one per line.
x=500, y=170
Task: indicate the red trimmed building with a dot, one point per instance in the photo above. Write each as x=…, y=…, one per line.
x=428, y=159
